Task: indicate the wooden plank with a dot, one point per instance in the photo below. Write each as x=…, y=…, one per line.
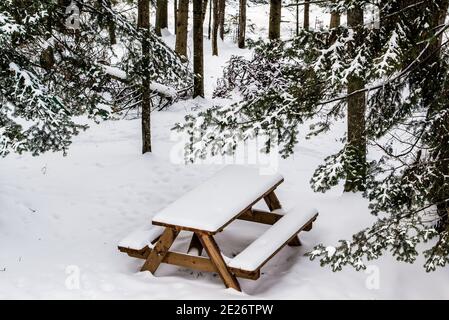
x=160, y=250
x=260, y=216
x=191, y=262
x=215, y=256
x=226, y=224
x=288, y=241
x=195, y=245
x=272, y=201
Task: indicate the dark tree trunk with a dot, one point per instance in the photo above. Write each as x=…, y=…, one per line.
x=335, y=20
x=274, y=30
x=144, y=26
x=209, y=31
x=181, y=29
x=306, y=14
x=110, y=22
x=198, y=56
x=356, y=145
x=242, y=24
x=222, y=6
x=334, y=24
x=161, y=16
x=175, y=13
x=216, y=25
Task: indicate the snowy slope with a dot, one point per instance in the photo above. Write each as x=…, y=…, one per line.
x=61, y=219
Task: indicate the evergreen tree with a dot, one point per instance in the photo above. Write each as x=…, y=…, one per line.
x=402, y=74
x=56, y=66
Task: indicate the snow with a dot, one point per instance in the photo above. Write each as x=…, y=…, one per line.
x=115, y=72
x=217, y=201
x=164, y=90
x=61, y=218
x=274, y=238
x=141, y=238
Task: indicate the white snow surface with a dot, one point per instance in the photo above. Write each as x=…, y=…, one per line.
x=141, y=238
x=214, y=203
x=264, y=246
x=61, y=218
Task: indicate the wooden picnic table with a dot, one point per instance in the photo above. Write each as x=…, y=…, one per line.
x=210, y=208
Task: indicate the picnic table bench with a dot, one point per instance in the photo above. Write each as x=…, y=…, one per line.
x=210, y=208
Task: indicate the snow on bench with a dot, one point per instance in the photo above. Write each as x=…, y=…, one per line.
x=142, y=238
x=260, y=251
x=216, y=202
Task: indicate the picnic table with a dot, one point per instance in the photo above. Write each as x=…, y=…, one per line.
x=209, y=209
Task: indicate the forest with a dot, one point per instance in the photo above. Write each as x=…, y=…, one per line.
x=112, y=109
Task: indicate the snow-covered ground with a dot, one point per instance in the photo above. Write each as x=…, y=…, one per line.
x=62, y=217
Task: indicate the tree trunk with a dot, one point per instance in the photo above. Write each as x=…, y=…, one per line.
x=198, y=56
x=161, y=16
x=242, y=24
x=181, y=28
x=306, y=14
x=334, y=24
x=175, y=13
x=356, y=145
x=144, y=25
x=215, y=27
x=335, y=20
x=110, y=23
x=274, y=30
x=204, y=9
x=222, y=6
x=297, y=17
x=209, y=32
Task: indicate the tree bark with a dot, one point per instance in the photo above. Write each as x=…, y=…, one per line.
x=175, y=13
x=209, y=32
x=335, y=20
x=297, y=17
x=356, y=145
x=198, y=56
x=216, y=25
x=181, y=29
x=205, y=2
x=144, y=26
x=274, y=30
x=242, y=24
x=161, y=16
x=222, y=5
x=306, y=14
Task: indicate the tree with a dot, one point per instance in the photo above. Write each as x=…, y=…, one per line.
x=144, y=26
x=242, y=24
x=306, y=14
x=198, y=55
x=274, y=30
x=335, y=19
x=181, y=29
x=175, y=13
x=355, y=165
x=49, y=74
x=222, y=17
x=406, y=121
x=161, y=16
x=215, y=26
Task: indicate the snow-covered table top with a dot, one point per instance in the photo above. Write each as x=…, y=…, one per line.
x=216, y=202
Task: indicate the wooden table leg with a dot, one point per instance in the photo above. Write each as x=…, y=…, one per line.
x=215, y=256
x=160, y=250
x=195, y=244
x=273, y=203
